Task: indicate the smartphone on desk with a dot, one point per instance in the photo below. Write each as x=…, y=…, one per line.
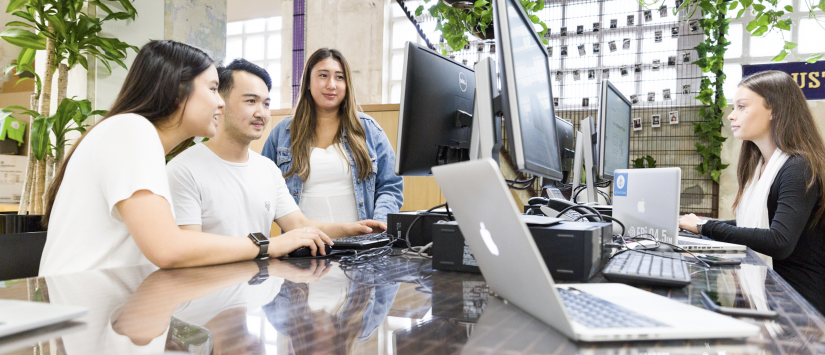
x=747, y=309
x=716, y=261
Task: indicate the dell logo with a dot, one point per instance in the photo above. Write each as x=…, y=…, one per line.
x=462, y=82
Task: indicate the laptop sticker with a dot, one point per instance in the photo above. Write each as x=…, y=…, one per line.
x=620, y=185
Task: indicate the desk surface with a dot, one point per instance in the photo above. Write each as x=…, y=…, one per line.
x=400, y=306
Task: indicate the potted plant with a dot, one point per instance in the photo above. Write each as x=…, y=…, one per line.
x=474, y=16
x=69, y=37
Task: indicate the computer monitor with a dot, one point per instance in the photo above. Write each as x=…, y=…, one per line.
x=436, y=112
x=614, y=131
x=526, y=95
x=565, y=134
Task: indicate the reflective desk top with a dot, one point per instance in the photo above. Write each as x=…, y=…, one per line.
x=399, y=305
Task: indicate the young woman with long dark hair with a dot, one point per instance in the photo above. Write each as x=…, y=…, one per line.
x=781, y=173
x=109, y=204
x=338, y=163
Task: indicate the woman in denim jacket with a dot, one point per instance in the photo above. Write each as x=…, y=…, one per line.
x=338, y=163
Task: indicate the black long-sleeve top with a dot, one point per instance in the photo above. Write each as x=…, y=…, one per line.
x=795, y=241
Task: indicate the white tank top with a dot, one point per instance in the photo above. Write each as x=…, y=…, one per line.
x=329, y=194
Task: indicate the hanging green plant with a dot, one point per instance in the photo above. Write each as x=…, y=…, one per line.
x=639, y=163
x=454, y=23
x=711, y=55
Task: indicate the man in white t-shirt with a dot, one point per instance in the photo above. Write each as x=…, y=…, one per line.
x=222, y=187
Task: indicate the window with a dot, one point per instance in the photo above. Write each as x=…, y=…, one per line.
x=258, y=41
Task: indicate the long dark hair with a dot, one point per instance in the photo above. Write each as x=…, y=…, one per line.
x=305, y=120
x=792, y=130
x=157, y=85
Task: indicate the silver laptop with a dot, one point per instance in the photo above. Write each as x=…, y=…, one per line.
x=512, y=266
x=21, y=316
x=647, y=203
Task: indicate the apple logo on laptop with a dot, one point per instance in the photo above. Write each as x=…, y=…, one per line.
x=488, y=239
x=641, y=206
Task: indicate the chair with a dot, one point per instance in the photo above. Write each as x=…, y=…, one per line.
x=20, y=254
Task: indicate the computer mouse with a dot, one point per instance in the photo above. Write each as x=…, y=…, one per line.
x=304, y=252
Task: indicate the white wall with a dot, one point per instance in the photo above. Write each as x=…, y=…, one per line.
x=240, y=10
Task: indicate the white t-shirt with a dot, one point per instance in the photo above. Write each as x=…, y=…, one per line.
x=329, y=194
x=119, y=157
x=232, y=199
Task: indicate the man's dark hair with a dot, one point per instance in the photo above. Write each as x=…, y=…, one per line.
x=226, y=75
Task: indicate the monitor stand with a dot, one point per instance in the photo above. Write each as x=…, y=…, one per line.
x=485, y=141
x=584, y=149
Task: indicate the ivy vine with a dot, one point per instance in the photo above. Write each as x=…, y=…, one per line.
x=454, y=23
x=711, y=54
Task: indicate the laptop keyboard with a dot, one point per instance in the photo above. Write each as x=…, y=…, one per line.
x=649, y=268
x=594, y=312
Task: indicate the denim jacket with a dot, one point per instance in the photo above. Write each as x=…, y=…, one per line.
x=378, y=195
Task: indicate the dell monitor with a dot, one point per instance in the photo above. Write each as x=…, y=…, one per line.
x=436, y=112
x=614, y=131
x=526, y=95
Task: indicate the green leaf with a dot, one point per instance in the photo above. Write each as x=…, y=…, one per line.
x=419, y=10
x=759, y=7
x=821, y=5
x=815, y=58
x=535, y=19
x=733, y=5
x=15, y=4
x=751, y=26
x=20, y=24
x=23, y=38
x=480, y=4
x=41, y=127
x=788, y=8
x=790, y=45
x=760, y=31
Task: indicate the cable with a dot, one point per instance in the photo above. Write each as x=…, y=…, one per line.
x=658, y=242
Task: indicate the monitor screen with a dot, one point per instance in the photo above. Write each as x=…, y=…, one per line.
x=614, y=131
x=527, y=96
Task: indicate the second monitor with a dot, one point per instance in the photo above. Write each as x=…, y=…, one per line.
x=614, y=131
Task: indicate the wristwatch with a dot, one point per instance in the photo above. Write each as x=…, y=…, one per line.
x=263, y=272
x=262, y=242
x=699, y=226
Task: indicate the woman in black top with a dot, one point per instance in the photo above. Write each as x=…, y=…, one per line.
x=772, y=118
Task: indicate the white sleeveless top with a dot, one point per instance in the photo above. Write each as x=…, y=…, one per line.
x=329, y=194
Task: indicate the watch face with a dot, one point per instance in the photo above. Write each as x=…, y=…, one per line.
x=258, y=238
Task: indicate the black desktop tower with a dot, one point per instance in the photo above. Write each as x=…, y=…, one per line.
x=573, y=251
x=421, y=231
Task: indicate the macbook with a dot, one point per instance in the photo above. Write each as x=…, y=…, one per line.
x=647, y=203
x=20, y=316
x=515, y=271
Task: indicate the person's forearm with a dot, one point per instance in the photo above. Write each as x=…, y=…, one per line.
x=190, y=248
x=333, y=230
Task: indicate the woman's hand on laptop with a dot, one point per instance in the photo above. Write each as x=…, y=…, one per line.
x=688, y=222
x=364, y=227
x=310, y=237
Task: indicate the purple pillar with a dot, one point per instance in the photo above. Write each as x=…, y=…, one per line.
x=298, y=41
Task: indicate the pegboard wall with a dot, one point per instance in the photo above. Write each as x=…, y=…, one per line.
x=646, y=53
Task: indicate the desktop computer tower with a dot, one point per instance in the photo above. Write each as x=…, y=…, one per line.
x=421, y=230
x=572, y=251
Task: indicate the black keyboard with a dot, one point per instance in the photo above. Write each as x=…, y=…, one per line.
x=594, y=312
x=364, y=241
x=648, y=267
